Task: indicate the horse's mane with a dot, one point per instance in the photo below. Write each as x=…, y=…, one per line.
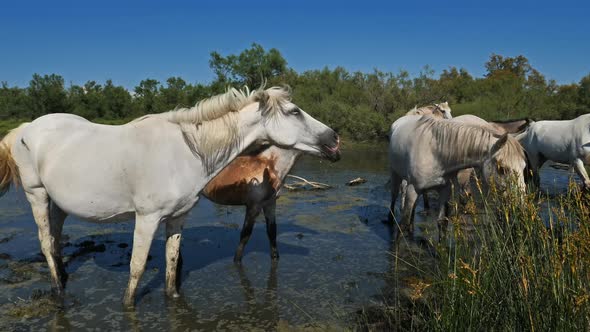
x=210, y=128
x=426, y=110
x=458, y=142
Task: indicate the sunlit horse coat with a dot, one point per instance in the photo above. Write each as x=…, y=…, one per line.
x=566, y=142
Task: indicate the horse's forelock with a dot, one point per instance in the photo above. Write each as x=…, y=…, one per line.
x=511, y=154
x=275, y=101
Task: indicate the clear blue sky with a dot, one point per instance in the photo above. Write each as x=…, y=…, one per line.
x=128, y=41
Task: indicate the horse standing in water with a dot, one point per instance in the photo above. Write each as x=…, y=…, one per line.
x=463, y=181
x=152, y=168
x=428, y=153
x=254, y=180
x=566, y=142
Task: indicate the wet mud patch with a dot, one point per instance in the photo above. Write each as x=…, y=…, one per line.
x=40, y=304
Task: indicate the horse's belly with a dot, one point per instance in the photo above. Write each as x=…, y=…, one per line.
x=124, y=216
x=89, y=196
x=98, y=209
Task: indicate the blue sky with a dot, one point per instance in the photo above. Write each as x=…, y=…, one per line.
x=128, y=41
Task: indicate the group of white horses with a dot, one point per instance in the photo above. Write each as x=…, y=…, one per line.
x=236, y=148
x=431, y=150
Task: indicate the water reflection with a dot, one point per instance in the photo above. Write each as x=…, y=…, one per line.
x=258, y=308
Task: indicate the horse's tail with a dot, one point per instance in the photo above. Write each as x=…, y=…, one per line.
x=8, y=169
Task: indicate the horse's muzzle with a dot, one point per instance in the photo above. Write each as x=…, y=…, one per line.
x=331, y=150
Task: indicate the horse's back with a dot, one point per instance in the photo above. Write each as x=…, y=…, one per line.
x=557, y=140
x=98, y=171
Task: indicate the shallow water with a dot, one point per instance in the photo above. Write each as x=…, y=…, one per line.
x=333, y=246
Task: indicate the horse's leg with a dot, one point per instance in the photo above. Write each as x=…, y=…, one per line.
x=533, y=166
x=271, y=227
x=252, y=211
x=145, y=229
x=57, y=217
x=396, y=181
x=173, y=256
x=409, y=207
x=49, y=236
x=425, y=200
x=463, y=182
x=581, y=170
x=444, y=194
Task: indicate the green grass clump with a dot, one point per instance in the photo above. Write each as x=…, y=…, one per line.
x=522, y=265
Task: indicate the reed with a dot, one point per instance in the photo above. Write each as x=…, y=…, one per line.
x=522, y=264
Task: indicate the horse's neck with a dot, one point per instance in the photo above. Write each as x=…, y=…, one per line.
x=473, y=157
x=284, y=159
x=250, y=132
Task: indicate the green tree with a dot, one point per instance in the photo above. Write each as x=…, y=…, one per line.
x=250, y=67
x=584, y=92
x=117, y=102
x=145, y=96
x=47, y=95
x=14, y=102
x=173, y=95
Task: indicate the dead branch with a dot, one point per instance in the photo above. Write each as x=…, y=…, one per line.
x=304, y=183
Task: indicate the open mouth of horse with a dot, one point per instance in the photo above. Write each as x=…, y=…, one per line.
x=332, y=152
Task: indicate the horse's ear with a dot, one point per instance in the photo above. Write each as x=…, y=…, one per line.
x=524, y=126
x=499, y=144
x=262, y=98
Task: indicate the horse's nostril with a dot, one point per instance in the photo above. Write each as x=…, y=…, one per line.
x=336, y=137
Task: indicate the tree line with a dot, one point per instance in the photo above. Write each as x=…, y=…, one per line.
x=360, y=106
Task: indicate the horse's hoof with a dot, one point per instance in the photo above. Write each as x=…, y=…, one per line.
x=128, y=302
x=274, y=257
x=238, y=260
x=173, y=294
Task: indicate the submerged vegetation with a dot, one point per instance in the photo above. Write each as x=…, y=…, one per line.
x=515, y=267
x=360, y=106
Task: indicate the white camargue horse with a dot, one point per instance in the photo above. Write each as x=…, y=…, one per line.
x=566, y=142
x=254, y=180
x=439, y=111
x=153, y=168
x=428, y=153
x=499, y=128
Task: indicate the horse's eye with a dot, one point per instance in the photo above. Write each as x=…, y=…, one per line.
x=296, y=111
x=502, y=170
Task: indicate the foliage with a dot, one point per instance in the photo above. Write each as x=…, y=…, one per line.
x=360, y=106
x=523, y=265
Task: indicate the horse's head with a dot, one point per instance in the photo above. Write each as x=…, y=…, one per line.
x=444, y=109
x=289, y=126
x=506, y=162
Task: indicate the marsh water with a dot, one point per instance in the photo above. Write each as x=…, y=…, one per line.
x=334, y=254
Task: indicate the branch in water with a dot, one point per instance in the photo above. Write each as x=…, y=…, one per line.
x=304, y=182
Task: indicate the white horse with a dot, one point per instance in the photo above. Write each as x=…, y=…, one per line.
x=566, y=142
x=442, y=110
x=428, y=153
x=463, y=181
x=152, y=168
